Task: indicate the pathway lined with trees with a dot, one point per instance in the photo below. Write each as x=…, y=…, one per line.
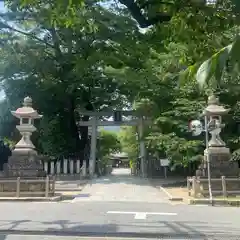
x=93, y=56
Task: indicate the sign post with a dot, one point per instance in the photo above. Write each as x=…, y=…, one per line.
x=165, y=164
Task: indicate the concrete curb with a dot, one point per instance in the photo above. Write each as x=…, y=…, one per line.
x=174, y=183
x=31, y=199
x=68, y=190
x=215, y=202
x=59, y=198
x=79, y=188
x=170, y=196
x=180, y=199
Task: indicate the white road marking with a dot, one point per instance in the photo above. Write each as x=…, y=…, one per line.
x=166, y=192
x=200, y=205
x=142, y=215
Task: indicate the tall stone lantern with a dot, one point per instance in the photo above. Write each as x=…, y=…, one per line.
x=25, y=160
x=26, y=114
x=216, y=151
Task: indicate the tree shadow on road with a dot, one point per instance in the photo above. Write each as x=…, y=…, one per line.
x=3, y=236
x=12, y=225
x=155, y=229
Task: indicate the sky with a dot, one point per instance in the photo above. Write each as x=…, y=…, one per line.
x=1, y=6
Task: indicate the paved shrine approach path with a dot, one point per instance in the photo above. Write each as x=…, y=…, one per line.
x=117, y=207
x=121, y=186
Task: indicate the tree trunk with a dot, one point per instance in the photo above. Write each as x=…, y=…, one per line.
x=73, y=127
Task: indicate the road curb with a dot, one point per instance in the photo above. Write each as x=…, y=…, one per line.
x=69, y=190
x=176, y=183
x=170, y=196
x=65, y=193
x=216, y=202
x=79, y=188
x=31, y=199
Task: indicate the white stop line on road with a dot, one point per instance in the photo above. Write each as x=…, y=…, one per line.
x=142, y=215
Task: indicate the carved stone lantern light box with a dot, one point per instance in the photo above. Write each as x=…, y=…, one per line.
x=214, y=112
x=26, y=127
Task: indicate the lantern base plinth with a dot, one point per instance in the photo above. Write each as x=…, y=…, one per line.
x=24, y=163
x=220, y=166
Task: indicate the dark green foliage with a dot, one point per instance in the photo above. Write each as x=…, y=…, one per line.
x=81, y=55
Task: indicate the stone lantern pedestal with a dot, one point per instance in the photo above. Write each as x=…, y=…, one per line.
x=24, y=164
x=220, y=163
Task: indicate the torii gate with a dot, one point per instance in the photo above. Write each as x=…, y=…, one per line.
x=95, y=122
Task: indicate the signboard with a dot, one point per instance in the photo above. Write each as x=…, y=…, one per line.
x=164, y=162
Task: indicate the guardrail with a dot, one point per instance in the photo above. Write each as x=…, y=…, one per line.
x=7, y=186
x=194, y=186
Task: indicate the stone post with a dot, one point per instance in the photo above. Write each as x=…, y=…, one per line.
x=78, y=166
x=46, y=166
x=52, y=168
x=84, y=168
x=65, y=166
x=58, y=167
x=71, y=166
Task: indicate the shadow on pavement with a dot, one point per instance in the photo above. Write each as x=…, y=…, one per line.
x=126, y=178
x=158, y=229
x=3, y=236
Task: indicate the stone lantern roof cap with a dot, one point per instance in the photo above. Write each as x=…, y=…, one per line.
x=214, y=107
x=26, y=111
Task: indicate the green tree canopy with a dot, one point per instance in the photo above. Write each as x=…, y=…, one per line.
x=108, y=143
x=62, y=67
x=91, y=55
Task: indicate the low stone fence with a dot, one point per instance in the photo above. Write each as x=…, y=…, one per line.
x=198, y=187
x=26, y=187
x=65, y=167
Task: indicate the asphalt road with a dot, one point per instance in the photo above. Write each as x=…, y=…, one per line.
x=117, y=219
x=117, y=207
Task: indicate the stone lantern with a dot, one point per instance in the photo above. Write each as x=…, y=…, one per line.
x=214, y=112
x=216, y=151
x=26, y=114
x=25, y=160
